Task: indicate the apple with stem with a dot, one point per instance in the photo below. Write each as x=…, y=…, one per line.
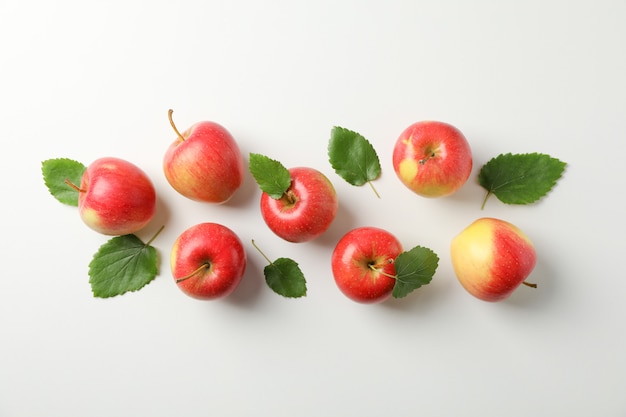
x=297, y=204
x=432, y=158
x=115, y=197
x=491, y=258
x=208, y=261
x=204, y=162
x=363, y=264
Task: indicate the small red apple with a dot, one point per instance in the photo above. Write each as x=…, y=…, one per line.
x=305, y=210
x=363, y=264
x=432, y=158
x=208, y=261
x=491, y=258
x=115, y=197
x=204, y=163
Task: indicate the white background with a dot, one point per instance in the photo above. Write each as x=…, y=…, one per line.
x=88, y=79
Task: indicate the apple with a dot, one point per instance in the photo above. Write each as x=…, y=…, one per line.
x=115, y=197
x=208, y=261
x=305, y=210
x=432, y=158
x=363, y=264
x=204, y=163
x=491, y=258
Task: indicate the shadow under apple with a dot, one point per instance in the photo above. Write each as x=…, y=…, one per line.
x=422, y=299
x=250, y=287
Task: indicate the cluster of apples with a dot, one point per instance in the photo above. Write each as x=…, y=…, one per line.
x=491, y=257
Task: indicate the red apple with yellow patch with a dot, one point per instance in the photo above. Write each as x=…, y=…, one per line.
x=115, y=197
x=432, y=158
x=491, y=258
x=204, y=163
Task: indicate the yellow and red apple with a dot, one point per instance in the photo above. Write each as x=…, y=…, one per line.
x=115, y=197
x=204, y=163
x=432, y=158
x=491, y=258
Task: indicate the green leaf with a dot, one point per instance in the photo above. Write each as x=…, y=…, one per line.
x=271, y=176
x=56, y=172
x=353, y=157
x=414, y=268
x=122, y=264
x=520, y=178
x=285, y=278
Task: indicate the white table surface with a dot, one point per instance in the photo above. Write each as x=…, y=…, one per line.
x=89, y=79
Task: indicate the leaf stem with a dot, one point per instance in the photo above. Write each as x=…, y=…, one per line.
x=169, y=116
x=373, y=189
x=155, y=235
x=482, y=207
x=290, y=196
x=261, y=252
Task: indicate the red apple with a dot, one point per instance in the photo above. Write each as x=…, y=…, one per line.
x=491, y=258
x=115, y=197
x=208, y=261
x=363, y=264
x=204, y=163
x=305, y=210
x=432, y=158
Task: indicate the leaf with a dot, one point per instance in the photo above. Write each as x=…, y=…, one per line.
x=122, y=264
x=285, y=278
x=271, y=176
x=414, y=268
x=520, y=178
x=353, y=157
x=56, y=172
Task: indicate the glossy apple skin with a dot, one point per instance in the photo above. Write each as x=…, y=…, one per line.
x=207, y=165
x=116, y=197
x=351, y=260
x=306, y=210
x=491, y=258
x=433, y=159
x=216, y=246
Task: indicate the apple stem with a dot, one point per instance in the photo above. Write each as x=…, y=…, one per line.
x=169, y=115
x=291, y=197
x=529, y=284
x=155, y=235
x=74, y=186
x=430, y=155
x=373, y=189
x=261, y=252
x=204, y=266
x=375, y=269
